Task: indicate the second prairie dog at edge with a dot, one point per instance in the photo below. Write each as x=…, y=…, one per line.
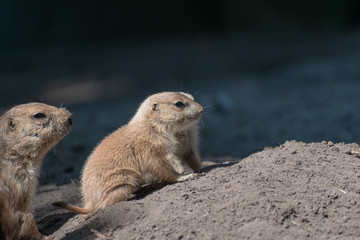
x=157, y=145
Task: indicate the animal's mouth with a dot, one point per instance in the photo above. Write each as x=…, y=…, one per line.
x=62, y=131
x=67, y=125
x=194, y=117
x=65, y=131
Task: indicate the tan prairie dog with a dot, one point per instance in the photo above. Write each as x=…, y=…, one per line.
x=153, y=147
x=27, y=132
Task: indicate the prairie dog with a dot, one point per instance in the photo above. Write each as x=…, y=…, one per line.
x=27, y=132
x=153, y=147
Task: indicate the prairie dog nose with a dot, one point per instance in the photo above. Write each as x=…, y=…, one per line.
x=70, y=120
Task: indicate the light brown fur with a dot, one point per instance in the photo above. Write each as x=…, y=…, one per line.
x=155, y=146
x=27, y=132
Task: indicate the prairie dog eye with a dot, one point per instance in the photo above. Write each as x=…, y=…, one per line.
x=179, y=104
x=39, y=115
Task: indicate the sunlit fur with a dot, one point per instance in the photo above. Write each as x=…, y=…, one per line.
x=153, y=147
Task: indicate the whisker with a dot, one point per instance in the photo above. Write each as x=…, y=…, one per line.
x=208, y=116
x=202, y=122
x=210, y=106
x=54, y=147
x=196, y=93
x=41, y=99
x=61, y=105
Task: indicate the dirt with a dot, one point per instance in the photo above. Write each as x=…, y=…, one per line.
x=294, y=191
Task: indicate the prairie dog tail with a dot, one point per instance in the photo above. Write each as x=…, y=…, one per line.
x=72, y=208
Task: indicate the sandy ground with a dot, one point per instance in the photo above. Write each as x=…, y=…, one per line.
x=257, y=91
x=293, y=191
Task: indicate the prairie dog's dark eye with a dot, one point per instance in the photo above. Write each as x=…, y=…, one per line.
x=39, y=115
x=179, y=104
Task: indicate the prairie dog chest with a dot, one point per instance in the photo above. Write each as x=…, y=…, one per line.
x=17, y=183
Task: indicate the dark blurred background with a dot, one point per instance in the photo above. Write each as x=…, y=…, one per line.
x=44, y=42
x=44, y=23
x=266, y=71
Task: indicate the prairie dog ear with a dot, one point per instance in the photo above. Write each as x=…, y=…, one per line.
x=155, y=107
x=11, y=125
x=188, y=95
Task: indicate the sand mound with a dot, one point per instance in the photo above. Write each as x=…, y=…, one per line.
x=294, y=191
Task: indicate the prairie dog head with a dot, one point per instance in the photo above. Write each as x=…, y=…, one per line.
x=30, y=130
x=171, y=111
